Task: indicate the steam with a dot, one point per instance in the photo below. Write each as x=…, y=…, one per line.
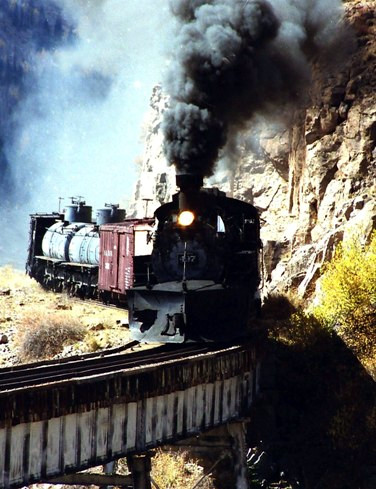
x=236, y=58
x=77, y=132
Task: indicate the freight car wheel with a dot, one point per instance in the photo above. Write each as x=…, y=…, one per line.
x=38, y=273
x=57, y=285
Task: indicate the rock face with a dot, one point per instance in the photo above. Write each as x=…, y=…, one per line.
x=156, y=183
x=314, y=183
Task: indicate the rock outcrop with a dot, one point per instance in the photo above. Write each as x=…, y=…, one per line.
x=314, y=182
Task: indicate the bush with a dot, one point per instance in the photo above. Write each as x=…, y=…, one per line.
x=348, y=296
x=289, y=323
x=45, y=335
x=174, y=470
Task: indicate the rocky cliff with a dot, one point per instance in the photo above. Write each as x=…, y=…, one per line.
x=313, y=182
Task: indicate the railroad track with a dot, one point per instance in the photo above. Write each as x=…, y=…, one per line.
x=54, y=371
x=97, y=302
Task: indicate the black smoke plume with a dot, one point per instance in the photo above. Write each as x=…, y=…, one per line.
x=235, y=58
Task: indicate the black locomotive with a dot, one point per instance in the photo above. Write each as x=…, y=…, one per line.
x=205, y=269
x=191, y=273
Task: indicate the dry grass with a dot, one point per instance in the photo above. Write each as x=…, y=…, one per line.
x=15, y=279
x=44, y=335
x=42, y=324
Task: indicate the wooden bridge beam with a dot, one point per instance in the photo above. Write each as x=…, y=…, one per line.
x=87, y=479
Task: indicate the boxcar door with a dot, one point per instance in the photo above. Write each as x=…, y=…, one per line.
x=127, y=253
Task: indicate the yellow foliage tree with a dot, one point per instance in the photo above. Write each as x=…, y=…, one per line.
x=348, y=295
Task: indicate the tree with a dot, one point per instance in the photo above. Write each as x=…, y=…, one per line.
x=348, y=295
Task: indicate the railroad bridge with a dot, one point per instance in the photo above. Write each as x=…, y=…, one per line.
x=58, y=418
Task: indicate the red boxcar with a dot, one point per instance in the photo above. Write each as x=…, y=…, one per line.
x=124, y=257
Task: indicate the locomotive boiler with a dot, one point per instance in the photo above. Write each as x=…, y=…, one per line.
x=203, y=282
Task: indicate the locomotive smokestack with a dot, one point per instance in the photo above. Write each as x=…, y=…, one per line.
x=189, y=184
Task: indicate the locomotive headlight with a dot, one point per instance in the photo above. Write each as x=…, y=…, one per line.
x=186, y=218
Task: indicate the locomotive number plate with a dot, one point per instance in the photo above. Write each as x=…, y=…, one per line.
x=191, y=258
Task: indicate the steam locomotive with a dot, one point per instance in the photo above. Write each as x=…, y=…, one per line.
x=190, y=273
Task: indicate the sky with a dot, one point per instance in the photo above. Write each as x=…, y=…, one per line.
x=78, y=129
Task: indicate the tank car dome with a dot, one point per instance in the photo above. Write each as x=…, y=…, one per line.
x=78, y=211
x=110, y=214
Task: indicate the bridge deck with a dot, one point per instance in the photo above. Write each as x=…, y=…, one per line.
x=68, y=425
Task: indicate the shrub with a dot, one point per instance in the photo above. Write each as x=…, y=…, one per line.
x=348, y=295
x=174, y=470
x=289, y=323
x=278, y=307
x=45, y=335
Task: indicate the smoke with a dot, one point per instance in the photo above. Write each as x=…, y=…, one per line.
x=238, y=58
x=77, y=130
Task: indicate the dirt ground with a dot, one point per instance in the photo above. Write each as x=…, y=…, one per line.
x=24, y=304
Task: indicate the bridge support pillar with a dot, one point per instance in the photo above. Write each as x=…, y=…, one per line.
x=140, y=467
x=239, y=454
x=223, y=453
